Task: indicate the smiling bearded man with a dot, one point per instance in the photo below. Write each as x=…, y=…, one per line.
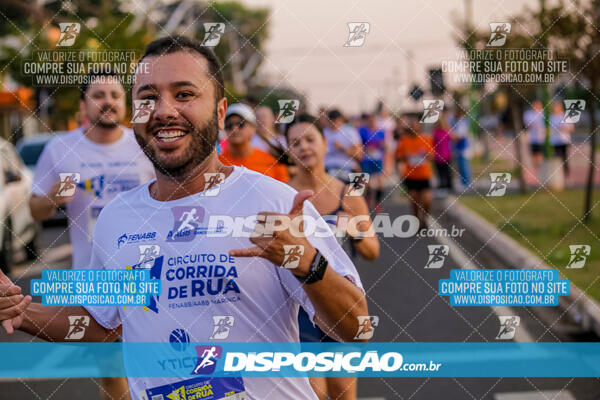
x=260, y=299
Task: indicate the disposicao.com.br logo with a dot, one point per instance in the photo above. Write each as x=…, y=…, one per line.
x=370, y=361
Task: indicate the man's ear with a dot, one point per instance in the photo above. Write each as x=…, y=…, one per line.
x=221, y=111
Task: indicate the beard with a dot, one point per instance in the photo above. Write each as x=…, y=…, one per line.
x=202, y=144
x=105, y=124
x=101, y=121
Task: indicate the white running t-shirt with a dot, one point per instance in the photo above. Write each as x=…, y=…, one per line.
x=199, y=281
x=105, y=170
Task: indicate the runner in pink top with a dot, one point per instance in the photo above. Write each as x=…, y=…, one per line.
x=442, y=154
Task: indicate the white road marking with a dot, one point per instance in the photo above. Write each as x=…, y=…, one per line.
x=539, y=395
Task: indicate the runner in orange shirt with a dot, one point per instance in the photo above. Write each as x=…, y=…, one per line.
x=240, y=126
x=415, y=152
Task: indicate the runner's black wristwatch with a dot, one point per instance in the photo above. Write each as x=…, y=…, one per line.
x=317, y=269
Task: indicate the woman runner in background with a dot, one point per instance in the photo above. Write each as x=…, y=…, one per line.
x=442, y=152
x=307, y=147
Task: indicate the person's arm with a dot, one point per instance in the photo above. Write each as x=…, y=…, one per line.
x=430, y=156
x=44, y=189
x=43, y=207
x=52, y=324
x=336, y=315
x=355, y=151
x=400, y=157
x=359, y=228
x=48, y=323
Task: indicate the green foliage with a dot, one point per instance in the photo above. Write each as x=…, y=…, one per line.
x=116, y=25
x=546, y=224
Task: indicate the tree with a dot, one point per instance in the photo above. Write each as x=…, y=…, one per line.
x=519, y=38
x=122, y=25
x=104, y=26
x=241, y=47
x=573, y=32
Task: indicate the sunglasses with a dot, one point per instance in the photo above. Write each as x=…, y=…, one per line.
x=230, y=125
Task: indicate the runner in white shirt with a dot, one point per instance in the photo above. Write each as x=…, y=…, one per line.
x=534, y=124
x=344, y=147
x=107, y=160
x=185, y=81
x=105, y=170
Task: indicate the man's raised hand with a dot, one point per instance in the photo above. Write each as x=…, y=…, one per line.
x=273, y=231
x=12, y=304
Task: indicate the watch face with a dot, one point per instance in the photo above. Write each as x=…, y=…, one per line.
x=317, y=269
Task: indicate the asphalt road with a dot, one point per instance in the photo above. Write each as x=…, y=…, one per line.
x=403, y=294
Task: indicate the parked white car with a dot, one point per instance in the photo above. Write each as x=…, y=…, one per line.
x=18, y=230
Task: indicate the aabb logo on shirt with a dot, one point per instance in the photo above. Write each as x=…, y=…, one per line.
x=207, y=359
x=186, y=223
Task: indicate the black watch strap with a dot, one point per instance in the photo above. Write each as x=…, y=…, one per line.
x=317, y=269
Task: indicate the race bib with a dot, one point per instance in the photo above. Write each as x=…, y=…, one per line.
x=374, y=153
x=416, y=160
x=199, y=388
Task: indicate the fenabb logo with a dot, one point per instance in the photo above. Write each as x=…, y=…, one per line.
x=129, y=238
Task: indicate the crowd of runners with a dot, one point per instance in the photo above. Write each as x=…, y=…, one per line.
x=151, y=180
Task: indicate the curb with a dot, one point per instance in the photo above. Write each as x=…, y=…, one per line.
x=584, y=310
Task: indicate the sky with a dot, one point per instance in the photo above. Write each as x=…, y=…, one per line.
x=305, y=49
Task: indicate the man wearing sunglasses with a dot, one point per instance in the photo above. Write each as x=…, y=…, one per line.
x=240, y=127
